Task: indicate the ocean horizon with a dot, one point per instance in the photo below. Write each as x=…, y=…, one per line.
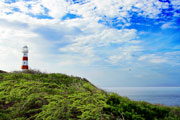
x=169, y=96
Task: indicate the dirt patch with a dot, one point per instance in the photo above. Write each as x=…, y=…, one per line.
x=6, y=105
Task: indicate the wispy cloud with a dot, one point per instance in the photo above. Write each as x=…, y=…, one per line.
x=153, y=58
x=169, y=25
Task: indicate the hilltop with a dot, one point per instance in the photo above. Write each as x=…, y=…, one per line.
x=41, y=96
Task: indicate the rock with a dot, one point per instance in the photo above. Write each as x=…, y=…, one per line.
x=1, y=71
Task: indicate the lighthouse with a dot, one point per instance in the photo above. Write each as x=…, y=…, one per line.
x=25, y=58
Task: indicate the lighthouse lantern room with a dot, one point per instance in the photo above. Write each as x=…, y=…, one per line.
x=25, y=58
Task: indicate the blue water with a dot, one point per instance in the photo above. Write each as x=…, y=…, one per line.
x=157, y=95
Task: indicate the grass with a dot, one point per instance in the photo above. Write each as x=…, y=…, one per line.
x=39, y=96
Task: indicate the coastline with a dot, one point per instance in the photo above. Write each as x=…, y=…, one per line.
x=156, y=95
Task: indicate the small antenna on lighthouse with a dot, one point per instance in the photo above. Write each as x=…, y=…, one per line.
x=25, y=58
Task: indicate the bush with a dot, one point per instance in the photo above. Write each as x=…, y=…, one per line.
x=32, y=71
x=132, y=110
x=34, y=95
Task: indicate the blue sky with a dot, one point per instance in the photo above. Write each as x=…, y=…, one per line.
x=110, y=42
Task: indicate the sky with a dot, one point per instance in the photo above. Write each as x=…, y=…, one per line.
x=112, y=43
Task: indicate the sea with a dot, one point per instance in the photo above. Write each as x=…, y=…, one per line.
x=169, y=96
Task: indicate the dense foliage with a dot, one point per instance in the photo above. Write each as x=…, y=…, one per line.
x=40, y=96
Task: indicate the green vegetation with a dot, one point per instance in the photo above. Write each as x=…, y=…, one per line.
x=40, y=96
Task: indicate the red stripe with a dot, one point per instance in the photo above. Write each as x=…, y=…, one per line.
x=25, y=58
x=24, y=67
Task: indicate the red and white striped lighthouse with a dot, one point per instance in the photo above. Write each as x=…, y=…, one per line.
x=25, y=58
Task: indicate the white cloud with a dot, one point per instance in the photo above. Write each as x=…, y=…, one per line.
x=176, y=6
x=171, y=58
x=120, y=9
x=168, y=25
x=78, y=61
x=91, y=11
x=57, y=8
x=116, y=59
x=4, y=8
x=153, y=58
x=36, y=9
x=95, y=36
x=156, y=60
x=105, y=36
x=124, y=54
x=78, y=49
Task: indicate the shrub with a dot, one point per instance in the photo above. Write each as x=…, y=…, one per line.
x=34, y=95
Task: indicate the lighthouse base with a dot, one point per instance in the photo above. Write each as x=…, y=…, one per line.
x=24, y=68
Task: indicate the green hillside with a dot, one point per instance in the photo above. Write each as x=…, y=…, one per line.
x=40, y=96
